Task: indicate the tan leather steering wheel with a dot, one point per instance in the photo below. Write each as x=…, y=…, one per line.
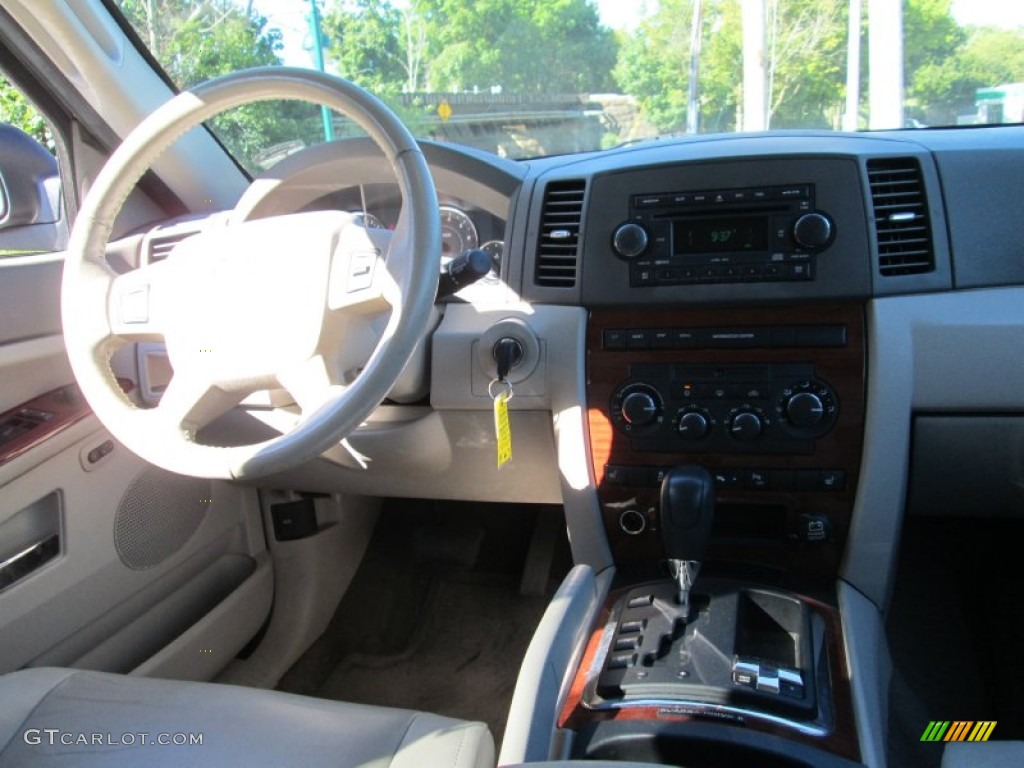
x=276, y=302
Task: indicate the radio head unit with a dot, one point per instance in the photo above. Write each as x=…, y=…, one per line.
x=752, y=234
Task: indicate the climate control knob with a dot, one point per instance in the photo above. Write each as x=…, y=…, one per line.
x=746, y=426
x=693, y=424
x=630, y=240
x=639, y=408
x=813, y=230
x=805, y=409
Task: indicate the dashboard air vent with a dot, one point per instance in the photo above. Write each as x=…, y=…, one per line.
x=901, y=217
x=159, y=247
x=558, y=245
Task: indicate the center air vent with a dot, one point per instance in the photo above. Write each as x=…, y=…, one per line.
x=559, y=241
x=161, y=241
x=901, y=217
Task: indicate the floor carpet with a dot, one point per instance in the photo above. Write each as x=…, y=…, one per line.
x=434, y=619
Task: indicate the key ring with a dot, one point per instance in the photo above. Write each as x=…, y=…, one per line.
x=500, y=382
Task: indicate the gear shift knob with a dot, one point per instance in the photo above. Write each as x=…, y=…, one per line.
x=687, y=510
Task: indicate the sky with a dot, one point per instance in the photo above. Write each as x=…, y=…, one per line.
x=290, y=17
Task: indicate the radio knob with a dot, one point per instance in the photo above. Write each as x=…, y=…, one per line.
x=813, y=230
x=630, y=240
x=805, y=409
x=639, y=408
x=693, y=425
x=746, y=426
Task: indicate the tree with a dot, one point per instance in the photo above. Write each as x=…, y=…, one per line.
x=19, y=111
x=943, y=88
x=195, y=40
x=519, y=46
x=452, y=45
x=806, y=55
x=368, y=44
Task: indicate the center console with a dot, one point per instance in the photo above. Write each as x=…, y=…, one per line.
x=726, y=447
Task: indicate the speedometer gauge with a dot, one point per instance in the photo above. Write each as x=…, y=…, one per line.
x=494, y=250
x=458, y=233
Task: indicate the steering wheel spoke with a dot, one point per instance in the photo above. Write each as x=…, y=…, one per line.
x=312, y=383
x=189, y=403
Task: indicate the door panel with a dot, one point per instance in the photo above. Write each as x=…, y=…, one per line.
x=153, y=572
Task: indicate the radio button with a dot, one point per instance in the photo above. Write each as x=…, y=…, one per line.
x=648, y=201
x=667, y=275
x=813, y=230
x=799, y=271
x=796, y=192
x=630, y=240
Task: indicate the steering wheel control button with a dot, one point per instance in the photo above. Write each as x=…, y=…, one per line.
x=360, y=270
x=135, y=305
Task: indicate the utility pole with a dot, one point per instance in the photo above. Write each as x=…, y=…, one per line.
x=755, y=113
x=853, y=68
x=693, y=92
x=318, y=59
x=885, y=63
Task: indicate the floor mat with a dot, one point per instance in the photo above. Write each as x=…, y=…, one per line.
x=462, y=661
x=434, y=620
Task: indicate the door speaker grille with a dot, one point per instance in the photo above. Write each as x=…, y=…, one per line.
x=158, y=514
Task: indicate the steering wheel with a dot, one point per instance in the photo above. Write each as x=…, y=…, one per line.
x=251, y=305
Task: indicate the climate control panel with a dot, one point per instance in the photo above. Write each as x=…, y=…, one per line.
x=762, y=409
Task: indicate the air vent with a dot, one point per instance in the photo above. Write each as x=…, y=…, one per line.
x=558, y=245
x=160, y=246
x=901, y=217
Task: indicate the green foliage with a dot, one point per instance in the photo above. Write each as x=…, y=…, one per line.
x=366, y=42
x=517, y=46
x=653, y=64
x=805, y=45
x=944, y=88
x=18, y=111
x=196, y=40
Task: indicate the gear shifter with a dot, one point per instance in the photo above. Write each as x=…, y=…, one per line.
x=687, y=509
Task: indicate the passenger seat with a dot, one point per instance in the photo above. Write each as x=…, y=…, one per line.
x=74, y=717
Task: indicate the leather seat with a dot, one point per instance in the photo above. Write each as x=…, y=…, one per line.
x=75, y=717
x=985, y=754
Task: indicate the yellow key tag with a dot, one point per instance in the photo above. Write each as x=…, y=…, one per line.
x=502, y=430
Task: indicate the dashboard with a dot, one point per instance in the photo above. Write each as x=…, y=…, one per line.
x=778, y=308
x=464, y=226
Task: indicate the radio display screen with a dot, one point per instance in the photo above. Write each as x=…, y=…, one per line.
x=720, y=235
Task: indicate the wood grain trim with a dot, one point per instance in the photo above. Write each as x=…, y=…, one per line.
x=66, y=407
x=801, y=568
x=842, y=740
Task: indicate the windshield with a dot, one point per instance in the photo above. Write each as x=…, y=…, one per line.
x=524, y=78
